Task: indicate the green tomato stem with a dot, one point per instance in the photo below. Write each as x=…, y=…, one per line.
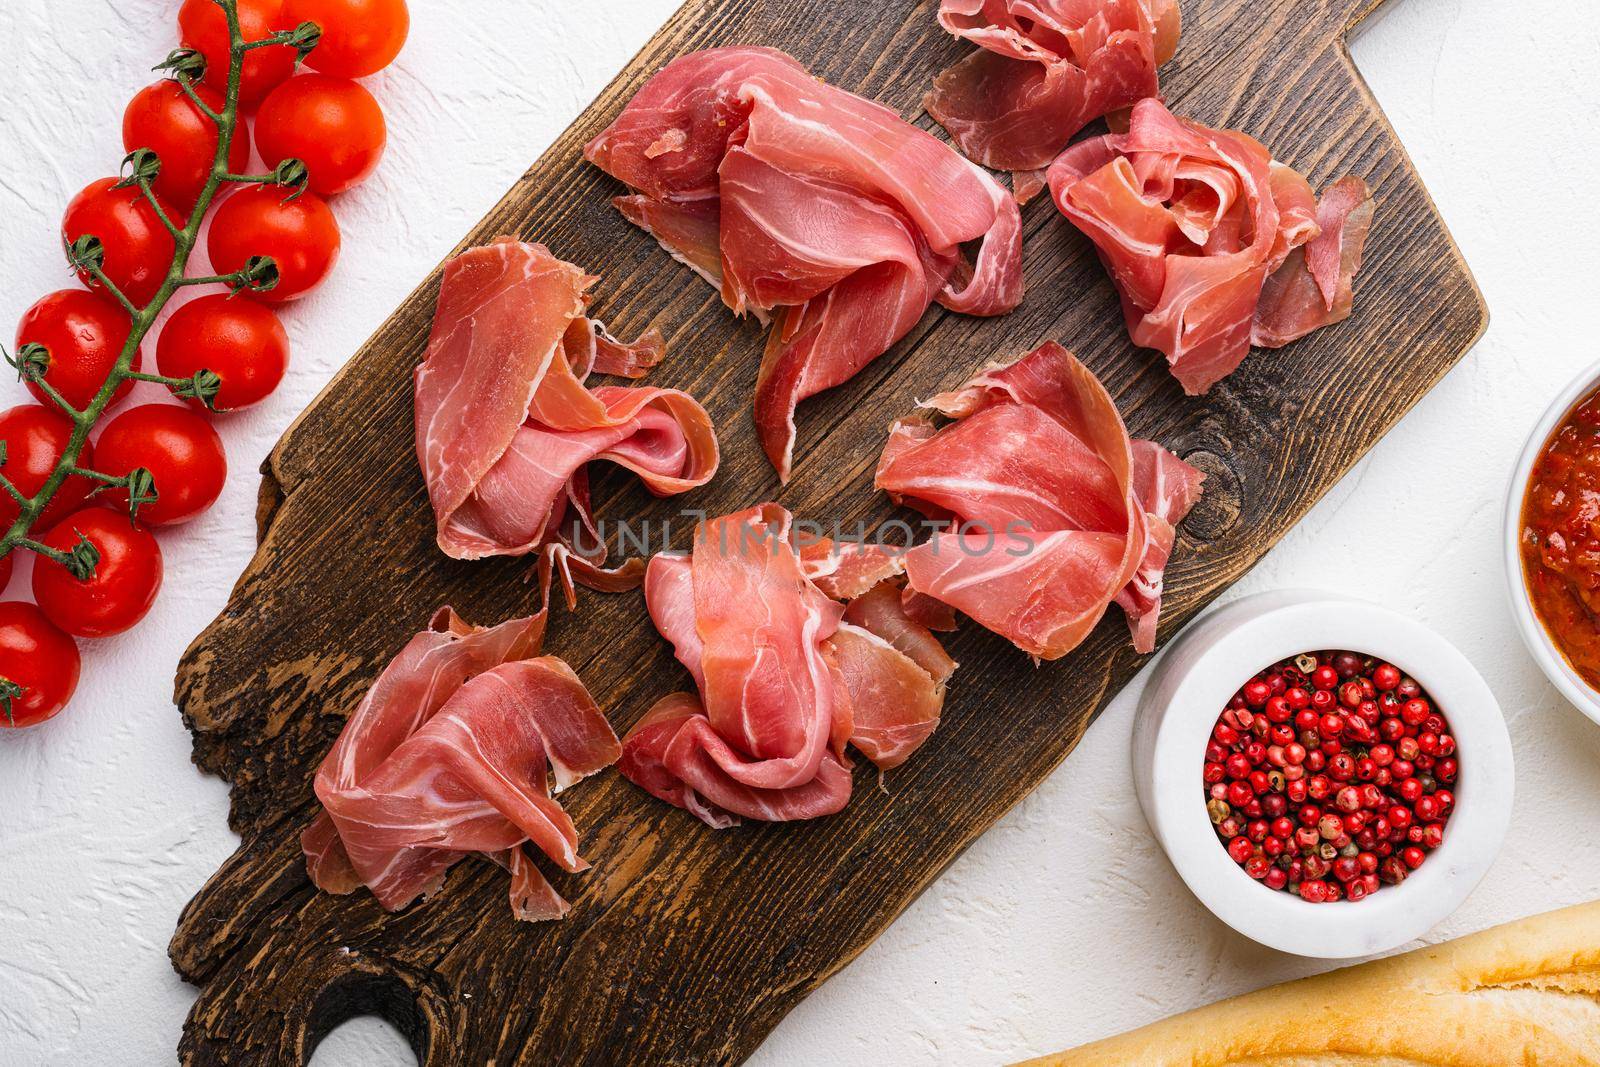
x=11, y=490
x=98, y=273
x=46, y=551
x=161, y=212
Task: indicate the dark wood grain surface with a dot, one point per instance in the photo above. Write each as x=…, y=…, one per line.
x=687, y=945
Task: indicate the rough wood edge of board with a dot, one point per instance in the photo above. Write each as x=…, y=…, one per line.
x=1341, y=49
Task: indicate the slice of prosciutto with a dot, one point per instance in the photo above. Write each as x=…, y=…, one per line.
x=450, y=753
x=825, y=214
x=1212, y=244
x=506, y=424
x=1051, y=513
x=1045, y=70
x=785, y=677
x=1167, y=488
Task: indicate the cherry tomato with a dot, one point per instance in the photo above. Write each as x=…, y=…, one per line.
x=300, y=235
x=35, y=437
x=203, y=27
x=181, y=451
x=125, y=580
x=5, y=570
x=332, y=125
x=38, y=659
x=138, y=248
x=84, y=334
x=162, y=118
x=359, y=37
x=240, y=341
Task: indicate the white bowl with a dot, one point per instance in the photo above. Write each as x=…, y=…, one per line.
x=1543, y=650
x=1190, y=686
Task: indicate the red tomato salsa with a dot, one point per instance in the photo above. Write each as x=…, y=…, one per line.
x=1561, y=538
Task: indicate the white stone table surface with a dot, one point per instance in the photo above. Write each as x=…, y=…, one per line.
x=1063, y=923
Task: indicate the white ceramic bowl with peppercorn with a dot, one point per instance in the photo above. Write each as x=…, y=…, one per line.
x=1192, y=685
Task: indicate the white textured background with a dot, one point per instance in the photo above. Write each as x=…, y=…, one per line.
x=1063, y=923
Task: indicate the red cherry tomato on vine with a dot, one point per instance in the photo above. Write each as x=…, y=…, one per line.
x=39, y=662
x=300, y=235
x=138, y=248
x=240, y=341
x=162, y=118
x=35, y=437
x=203, y=27
x=332, y=125
x=180, y=450
x=125, y=580
x=359, y=37
x=5, y=571
x=84, y=333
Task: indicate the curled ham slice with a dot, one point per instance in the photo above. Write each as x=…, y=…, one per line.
x=785, y=676
x=886, y=659
x=450, y=753
x=1212, y=244
x=1051, y=513
x=813, y=209
x=1045, y=70
x=1314, y=287
x=506, y=425
x=1167, y=488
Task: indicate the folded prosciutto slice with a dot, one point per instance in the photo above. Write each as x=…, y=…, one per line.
x=450, y=753
x=786, y=677
x=1050, y=512
x=1212, y=244
x=1046, y=69
x=809, y=207
x=506, y=425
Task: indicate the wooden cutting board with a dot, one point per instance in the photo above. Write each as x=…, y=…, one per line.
x=687, y=945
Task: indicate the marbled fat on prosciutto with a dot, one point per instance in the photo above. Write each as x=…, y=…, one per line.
x=1212, y=244
x=785, y=676
x=1051, y=513
x=809, y=207
x=450, y=753
x=1045, y=70
x=506, y=424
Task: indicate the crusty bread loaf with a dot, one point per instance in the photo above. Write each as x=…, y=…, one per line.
x=1527, y=993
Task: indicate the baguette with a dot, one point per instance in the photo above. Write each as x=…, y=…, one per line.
x=1526, y=993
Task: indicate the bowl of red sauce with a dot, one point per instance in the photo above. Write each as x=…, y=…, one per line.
x=1553, y=543
x=1328, y=777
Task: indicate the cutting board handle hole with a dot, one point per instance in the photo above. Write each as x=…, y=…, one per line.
x=356, y=994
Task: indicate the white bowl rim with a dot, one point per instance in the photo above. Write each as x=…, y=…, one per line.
x=1541, y=647
x=1304, y=621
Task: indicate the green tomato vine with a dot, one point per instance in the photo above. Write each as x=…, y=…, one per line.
x=87, y=254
